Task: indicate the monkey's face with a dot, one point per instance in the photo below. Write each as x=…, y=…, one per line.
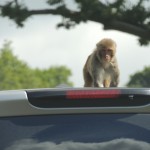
x=106, y=49
x=106, y=54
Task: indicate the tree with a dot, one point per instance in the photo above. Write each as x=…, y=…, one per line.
x=123, y=15
x=140, y=79
x=16, y=74
x=54, y=76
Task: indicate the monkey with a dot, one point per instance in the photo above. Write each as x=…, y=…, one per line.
x=101, y=67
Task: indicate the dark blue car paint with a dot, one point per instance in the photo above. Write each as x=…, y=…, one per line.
x=85, y=128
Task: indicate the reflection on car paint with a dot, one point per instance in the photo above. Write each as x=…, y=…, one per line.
x=116, y=144
x=78, y=130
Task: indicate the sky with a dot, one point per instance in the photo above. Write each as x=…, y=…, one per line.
x=41, y=45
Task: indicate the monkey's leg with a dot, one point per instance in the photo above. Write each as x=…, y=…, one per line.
x=88, y=83
x=106, y=83
x=87, y=79
x=98, y=77
x=115, y=78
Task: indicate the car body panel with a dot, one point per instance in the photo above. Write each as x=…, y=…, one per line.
x=76, y=131
x=34, y=119
x=17, y=103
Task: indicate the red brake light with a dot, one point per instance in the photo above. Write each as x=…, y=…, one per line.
x=89, y=97
x=92, y=94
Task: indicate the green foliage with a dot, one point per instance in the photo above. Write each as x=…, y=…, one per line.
x=16, y=74
x=143, y=41
x=18, y=13
x=140, y=79
x=54, y=76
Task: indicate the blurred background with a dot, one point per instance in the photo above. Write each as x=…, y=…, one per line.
x=40, y=48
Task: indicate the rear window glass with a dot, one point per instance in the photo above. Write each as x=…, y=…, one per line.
x=75, y=132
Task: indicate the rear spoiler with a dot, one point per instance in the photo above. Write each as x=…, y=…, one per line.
x=89, y=97
x=74, y=101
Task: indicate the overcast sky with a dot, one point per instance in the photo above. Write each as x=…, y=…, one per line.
x=40, y=44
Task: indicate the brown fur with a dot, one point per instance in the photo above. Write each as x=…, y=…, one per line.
x=101, y=67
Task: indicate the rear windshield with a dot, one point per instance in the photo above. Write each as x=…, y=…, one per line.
x=76, y=132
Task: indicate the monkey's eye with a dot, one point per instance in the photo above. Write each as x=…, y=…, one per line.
x=103, y=50
x=106, y=51
x=110, y=52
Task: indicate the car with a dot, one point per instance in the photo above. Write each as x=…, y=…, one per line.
x=75, y=118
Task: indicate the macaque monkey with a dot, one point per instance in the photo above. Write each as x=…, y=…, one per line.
x=101, y=68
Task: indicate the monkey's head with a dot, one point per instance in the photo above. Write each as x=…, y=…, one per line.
x=106, y=49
